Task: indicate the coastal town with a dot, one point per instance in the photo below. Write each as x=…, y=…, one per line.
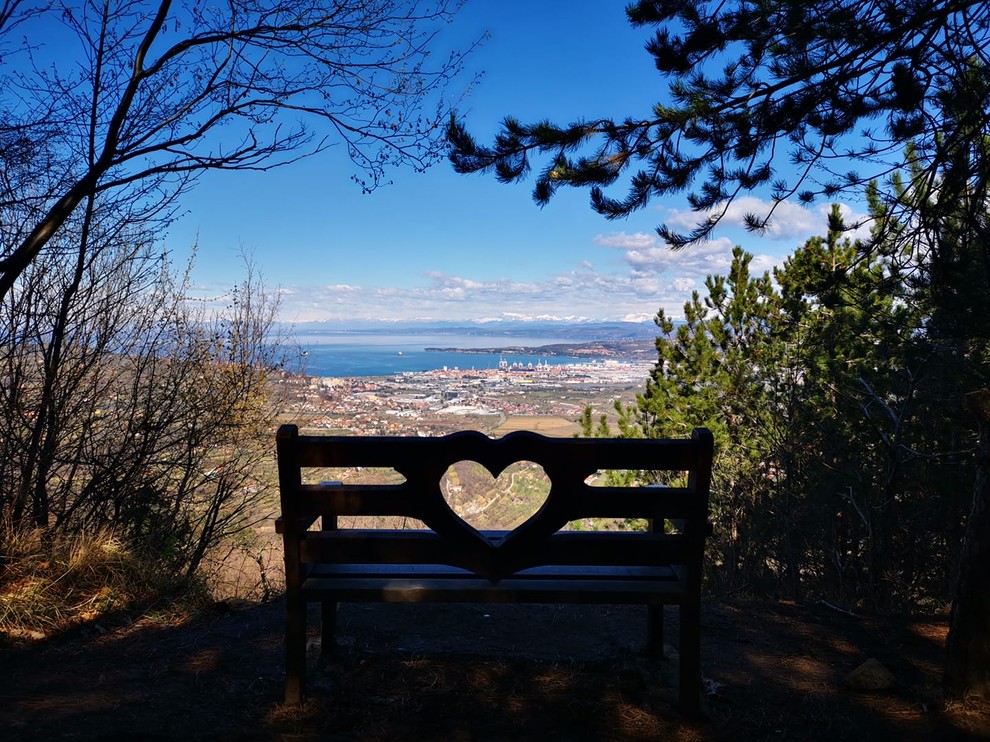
x=545, y=398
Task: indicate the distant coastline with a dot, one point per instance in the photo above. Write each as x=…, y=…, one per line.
x=382, y=354
x=627, y=349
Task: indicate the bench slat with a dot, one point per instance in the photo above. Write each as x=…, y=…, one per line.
x=582, y=502
x=427, y=547
x=350, y=499
x=585, y=455
x=546, y=572
x=477, y=590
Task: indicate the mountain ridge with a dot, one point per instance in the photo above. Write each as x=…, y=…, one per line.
x=586, y=330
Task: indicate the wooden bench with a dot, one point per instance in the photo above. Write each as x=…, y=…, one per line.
x=538, y=562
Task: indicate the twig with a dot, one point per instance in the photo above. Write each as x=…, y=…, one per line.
x=836, y=608
x=727, y=593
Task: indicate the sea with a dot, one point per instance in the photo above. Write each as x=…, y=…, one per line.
x=355, y=354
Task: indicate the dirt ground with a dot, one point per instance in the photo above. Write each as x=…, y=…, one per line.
x=467, y=672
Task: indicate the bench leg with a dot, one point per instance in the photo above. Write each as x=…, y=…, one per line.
x=295, y=650
x=328, y=629
x=654, y=631
x=690, y=659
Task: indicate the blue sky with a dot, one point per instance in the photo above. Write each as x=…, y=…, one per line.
x=439, y=245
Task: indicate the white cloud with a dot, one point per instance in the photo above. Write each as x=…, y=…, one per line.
x=858, y=223
x=642, y=281
x=764, y=263
x=788, y=220
x=596, y=295
x=685, y=268
x=701, y=259
x=643, y=276
x=637, y=241
x=343, y=287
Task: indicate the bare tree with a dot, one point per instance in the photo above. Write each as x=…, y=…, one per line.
x=125, y=406
x=138, y=97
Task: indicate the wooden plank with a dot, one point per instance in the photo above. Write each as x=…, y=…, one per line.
x=444, y=571
x=295, y=601
x=428, y=547
x=299, y=524
x=585, y=455
x=341, y=499
x=390, y=547
x=580, y=502
x=477, y=590
x=654, y=632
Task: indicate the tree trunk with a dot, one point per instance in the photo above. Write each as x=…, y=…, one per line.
x=967, y=667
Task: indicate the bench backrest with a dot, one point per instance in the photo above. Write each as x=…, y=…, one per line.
x=567, y=462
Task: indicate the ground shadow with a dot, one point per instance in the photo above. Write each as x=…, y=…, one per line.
x=773, y=670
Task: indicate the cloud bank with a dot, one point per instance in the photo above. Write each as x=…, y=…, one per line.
x=634, y=276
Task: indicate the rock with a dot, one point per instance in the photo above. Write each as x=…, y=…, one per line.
x=870, y=676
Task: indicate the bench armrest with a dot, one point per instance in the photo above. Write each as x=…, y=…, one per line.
x=301, y=524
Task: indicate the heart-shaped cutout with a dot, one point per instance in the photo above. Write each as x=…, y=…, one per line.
x=495, y=503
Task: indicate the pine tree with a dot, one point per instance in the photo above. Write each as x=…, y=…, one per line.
x=828, y=89
x=749, y=86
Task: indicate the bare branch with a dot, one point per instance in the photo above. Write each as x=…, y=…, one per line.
x=164, y=91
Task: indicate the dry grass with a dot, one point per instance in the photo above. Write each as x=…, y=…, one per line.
x=550, y=425
x=51, y=584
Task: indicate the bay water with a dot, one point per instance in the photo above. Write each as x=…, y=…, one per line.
x=355, y=354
